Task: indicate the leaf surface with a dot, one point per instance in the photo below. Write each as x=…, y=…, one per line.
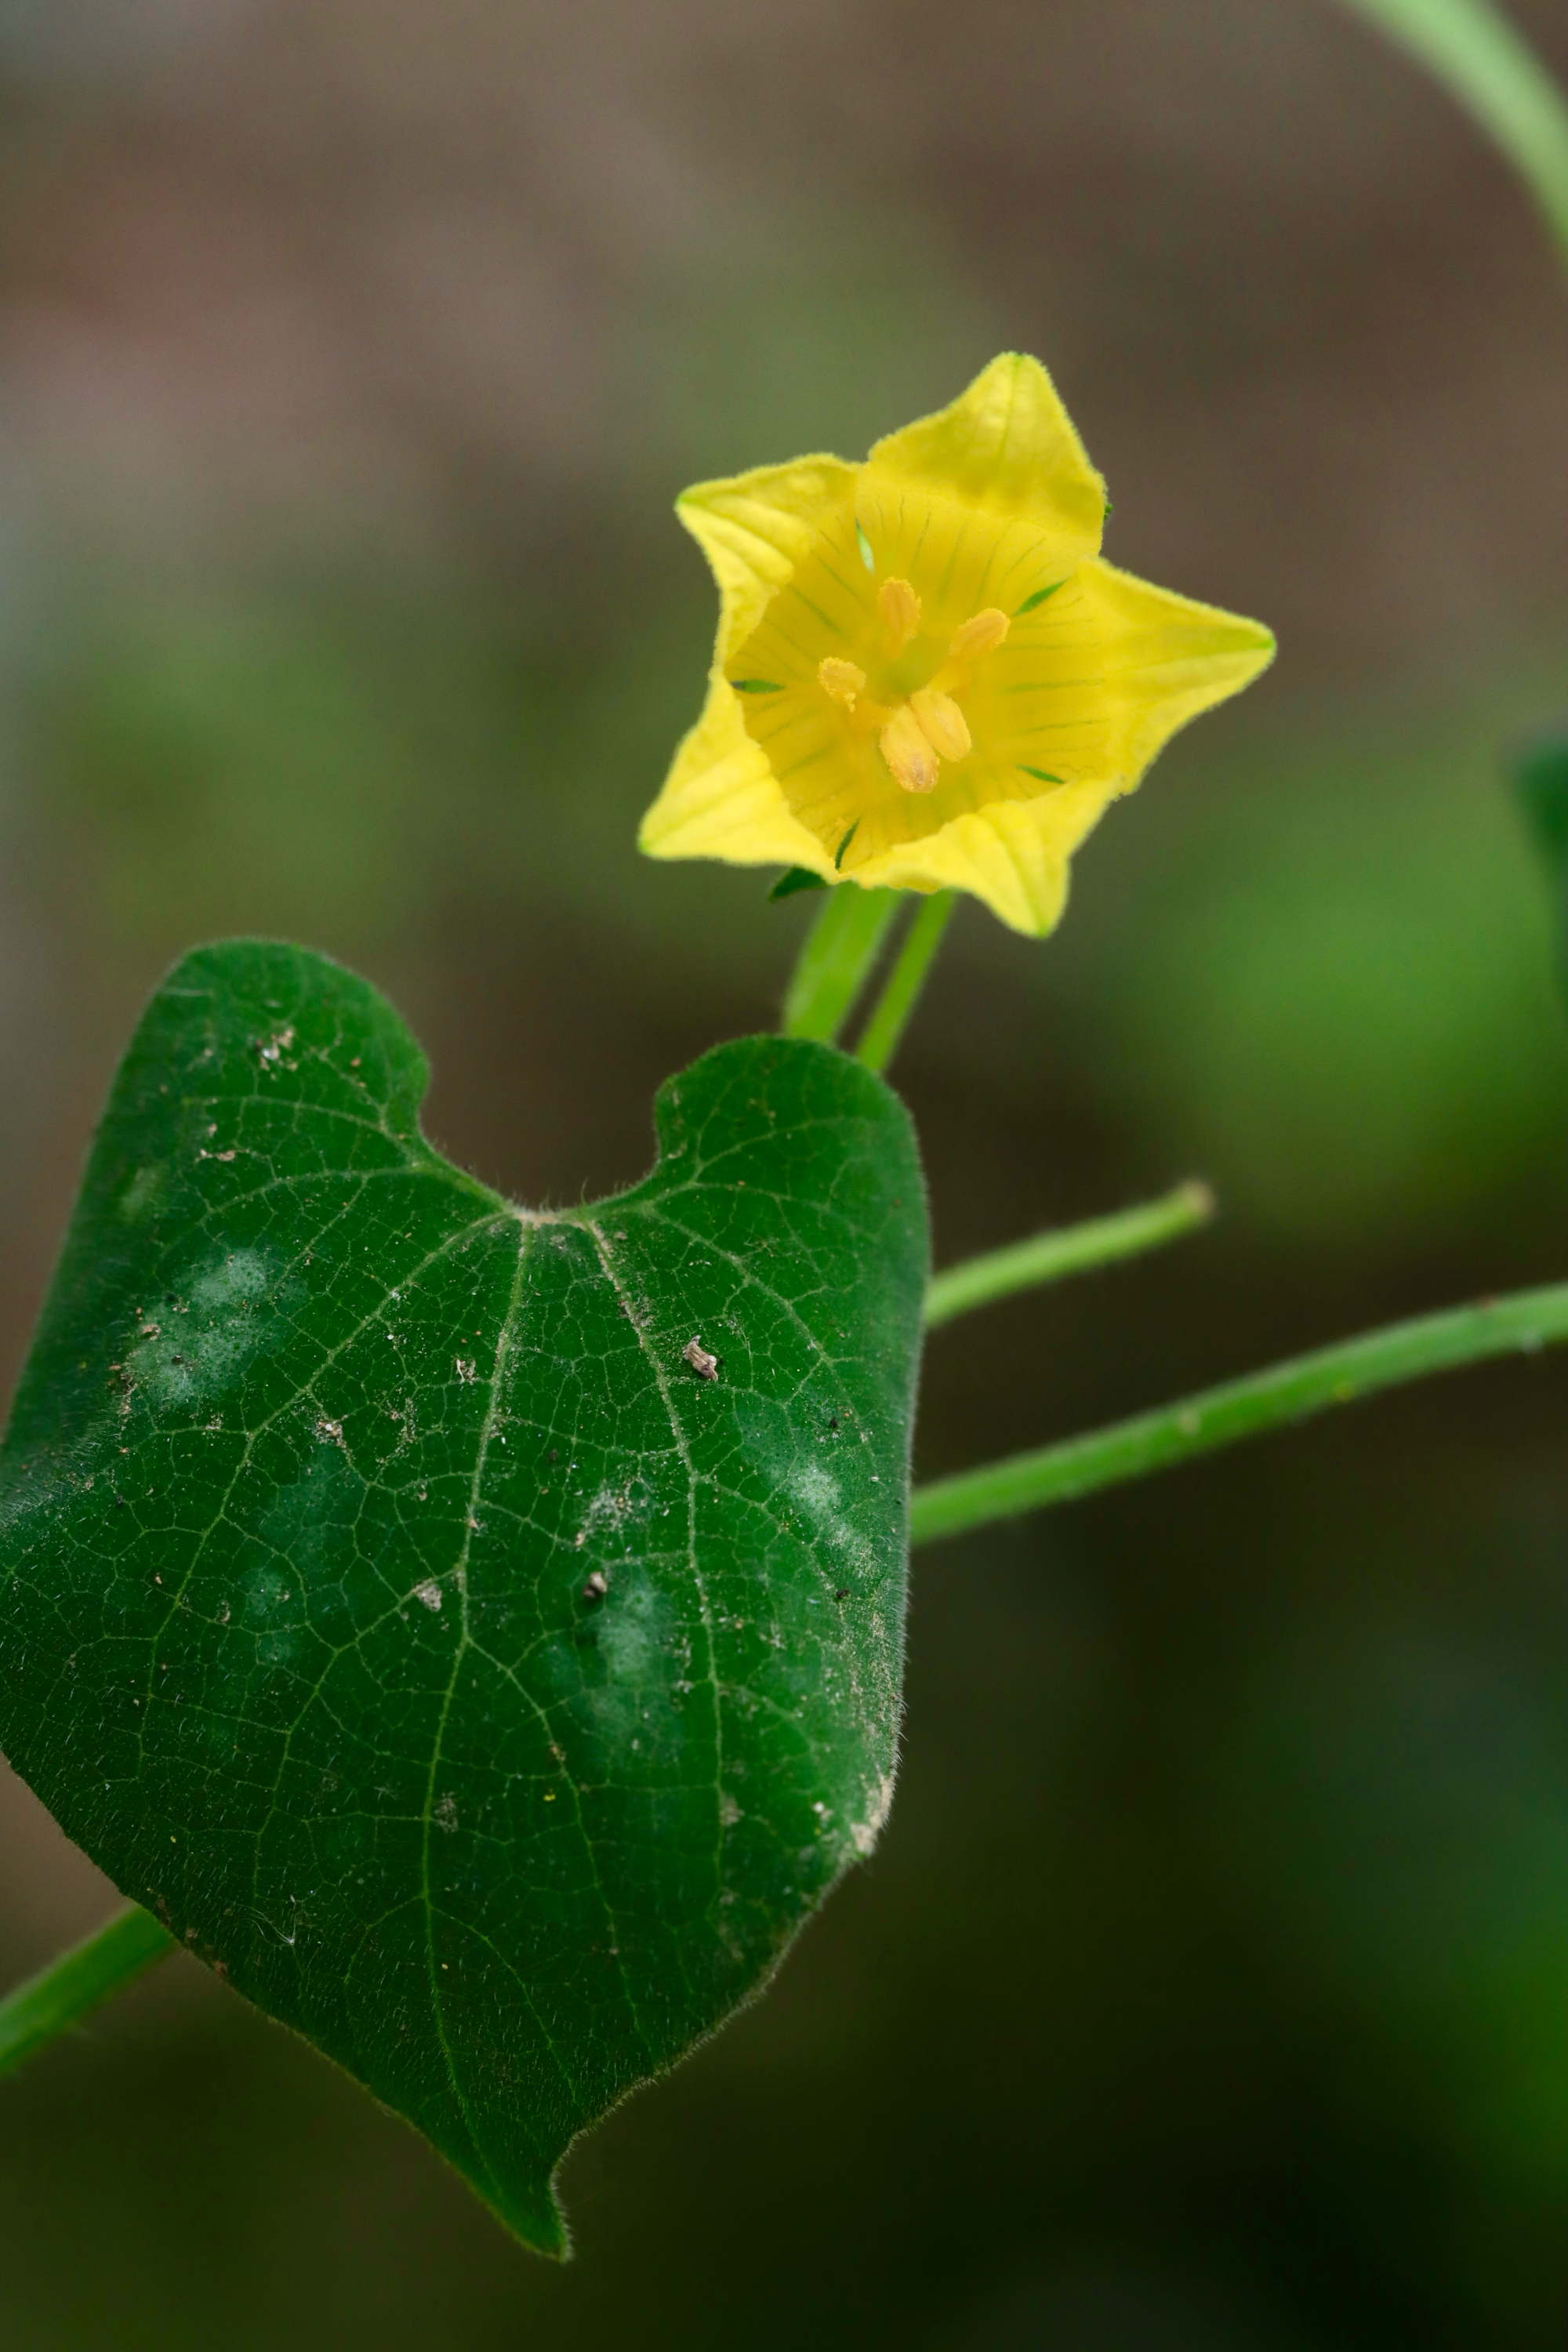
x=487, y=1687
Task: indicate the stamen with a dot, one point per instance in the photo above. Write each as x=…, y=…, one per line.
x=981, y=633
x=942, y=723
x=900, y=612
x=841, y=679
x=907, y=752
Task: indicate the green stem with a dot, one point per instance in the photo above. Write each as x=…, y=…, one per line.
x=836, y=961
x=900, y=994
x=1527, y=1320
x=1071, y=1249
x=1484, y=62
x=80, y=1981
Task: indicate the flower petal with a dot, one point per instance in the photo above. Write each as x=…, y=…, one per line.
x=1013, y=855
x=1091, y=686
x=755, y=528
x=1006, y=444
x=991, y=513
x=1076, y=706
x=722, y=799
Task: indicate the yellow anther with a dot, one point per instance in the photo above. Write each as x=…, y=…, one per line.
x=942, y=723
x=981, y=633
x=907, y=752
x=900, y=612
x=841, y=679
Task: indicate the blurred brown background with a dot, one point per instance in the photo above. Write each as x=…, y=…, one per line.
x=1211, y=1986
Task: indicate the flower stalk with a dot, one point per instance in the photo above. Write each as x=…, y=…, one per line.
x=836, y=961
x=902, y=991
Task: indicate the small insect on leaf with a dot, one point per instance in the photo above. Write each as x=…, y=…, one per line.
x=598, y=1584
x=704, y=1365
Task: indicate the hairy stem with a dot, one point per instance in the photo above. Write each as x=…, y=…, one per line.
x=1525, y=1321
x=61, y=1995
x=835, y=961
x=902, y=991
x=1070, y=1249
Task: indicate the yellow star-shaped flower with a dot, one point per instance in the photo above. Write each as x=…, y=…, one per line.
x=927, y=677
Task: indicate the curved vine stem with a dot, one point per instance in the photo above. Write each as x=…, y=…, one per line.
x=67, y=1991
x=1070, y=1249
x=1527, y=1320
x=1485, y=62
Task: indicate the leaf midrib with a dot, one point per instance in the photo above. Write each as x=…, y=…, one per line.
x=462, y=1646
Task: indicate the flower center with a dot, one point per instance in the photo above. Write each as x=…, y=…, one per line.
x=916, y=727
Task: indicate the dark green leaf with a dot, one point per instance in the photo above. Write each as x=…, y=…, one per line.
x=403, y=1608
x=1541, y=778
x=799, y=877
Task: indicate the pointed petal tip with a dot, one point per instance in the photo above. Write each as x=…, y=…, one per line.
x=793, y=485
x=1251, y=637
x=1008, y=444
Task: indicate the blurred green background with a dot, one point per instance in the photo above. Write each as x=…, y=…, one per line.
x=1210, y=1988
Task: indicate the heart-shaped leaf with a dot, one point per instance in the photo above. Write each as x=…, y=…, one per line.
x=476, y=1631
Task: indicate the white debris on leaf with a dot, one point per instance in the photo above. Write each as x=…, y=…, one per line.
x=273, y=1048
x=703, y=1364
x=863, y=1835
